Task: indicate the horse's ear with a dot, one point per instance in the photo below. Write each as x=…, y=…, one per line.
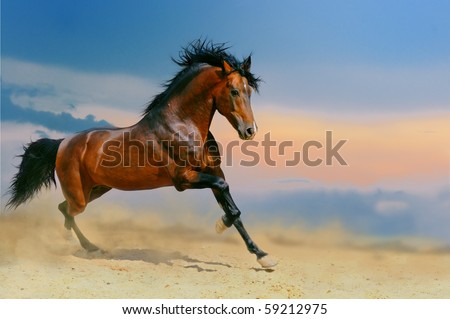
x=246, y=65
x=226, y=67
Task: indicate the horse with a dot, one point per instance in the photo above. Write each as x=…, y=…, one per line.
x=171, y=145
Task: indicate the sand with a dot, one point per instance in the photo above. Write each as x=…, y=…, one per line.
x=145, y=257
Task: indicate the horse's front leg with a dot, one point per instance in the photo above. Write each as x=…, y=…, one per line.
x=194, y=179
x=233, y=218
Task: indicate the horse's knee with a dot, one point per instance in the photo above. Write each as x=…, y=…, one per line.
x=75, y=210
x=69, y=213
x=221, y=185
x=71, y=209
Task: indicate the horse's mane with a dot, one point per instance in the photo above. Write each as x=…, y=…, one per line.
x=195, y=54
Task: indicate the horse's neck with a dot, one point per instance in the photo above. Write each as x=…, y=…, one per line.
x=194, y=103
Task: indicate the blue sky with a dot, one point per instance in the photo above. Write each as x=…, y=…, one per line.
x=338, y=53
x=138, y=37
x=70, y=65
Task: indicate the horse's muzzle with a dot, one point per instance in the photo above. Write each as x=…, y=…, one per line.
x=248, y=132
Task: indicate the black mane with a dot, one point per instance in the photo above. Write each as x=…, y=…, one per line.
x=202, y=52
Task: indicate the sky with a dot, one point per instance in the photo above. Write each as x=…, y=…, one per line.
x=374, y=73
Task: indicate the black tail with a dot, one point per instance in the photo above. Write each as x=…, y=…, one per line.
x=36, y=170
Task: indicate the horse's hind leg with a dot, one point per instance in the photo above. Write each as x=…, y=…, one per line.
x=70, y=223
x=69, y=220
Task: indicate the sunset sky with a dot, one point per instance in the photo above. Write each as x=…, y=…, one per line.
x=374, y=73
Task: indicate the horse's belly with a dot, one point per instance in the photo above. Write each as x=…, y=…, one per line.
x=132, y=178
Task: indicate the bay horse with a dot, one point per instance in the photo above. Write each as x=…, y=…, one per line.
x=170, y=146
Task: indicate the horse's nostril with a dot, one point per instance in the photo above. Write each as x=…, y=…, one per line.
x=250, y=131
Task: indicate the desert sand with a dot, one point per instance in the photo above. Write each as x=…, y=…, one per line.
x=145, y=257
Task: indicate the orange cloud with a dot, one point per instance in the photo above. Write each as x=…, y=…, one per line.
x=377, y=150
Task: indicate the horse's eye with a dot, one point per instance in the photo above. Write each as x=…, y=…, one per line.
x=234, y=92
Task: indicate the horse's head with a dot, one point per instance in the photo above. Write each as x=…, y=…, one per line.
x=232, y=98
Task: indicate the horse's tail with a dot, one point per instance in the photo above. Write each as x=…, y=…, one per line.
x=37, y=169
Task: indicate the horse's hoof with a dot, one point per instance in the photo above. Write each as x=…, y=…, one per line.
x=220, y=226
x=89, y=247
x=267, y=262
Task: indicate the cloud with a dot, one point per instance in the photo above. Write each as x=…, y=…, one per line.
x=63, y=122
x=376, y=212
x=117, y=98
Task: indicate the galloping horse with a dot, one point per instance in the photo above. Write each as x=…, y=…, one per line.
x=170, y=146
